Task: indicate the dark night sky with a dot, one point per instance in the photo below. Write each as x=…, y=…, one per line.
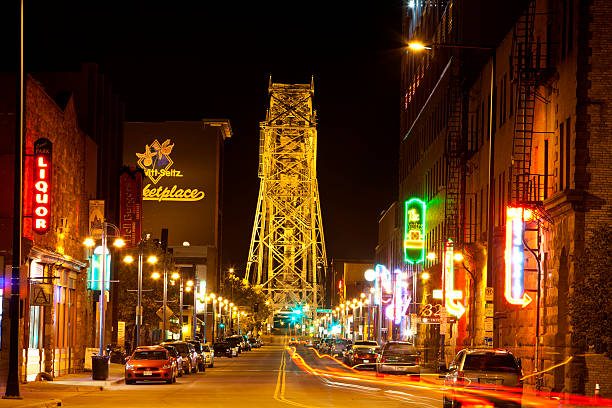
x=185, y=62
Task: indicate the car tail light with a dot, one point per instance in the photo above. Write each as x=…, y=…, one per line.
x=382, y=360
x=416, y=360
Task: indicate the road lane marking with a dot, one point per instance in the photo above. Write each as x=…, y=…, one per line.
x=279, y=392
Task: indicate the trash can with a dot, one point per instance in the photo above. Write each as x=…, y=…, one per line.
x=99, y=367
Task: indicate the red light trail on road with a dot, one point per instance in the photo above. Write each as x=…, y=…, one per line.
x=469, y=397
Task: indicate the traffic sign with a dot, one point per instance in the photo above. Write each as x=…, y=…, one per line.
x=489, y=294
x=41, y=294
x=160, y=313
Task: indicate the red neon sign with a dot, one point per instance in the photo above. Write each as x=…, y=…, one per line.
x=41, y=213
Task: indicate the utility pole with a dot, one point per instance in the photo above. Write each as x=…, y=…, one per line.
x=12, y=384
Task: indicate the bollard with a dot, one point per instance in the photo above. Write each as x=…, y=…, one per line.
x=597, y=389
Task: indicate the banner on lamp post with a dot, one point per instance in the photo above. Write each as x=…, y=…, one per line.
x=130, y=197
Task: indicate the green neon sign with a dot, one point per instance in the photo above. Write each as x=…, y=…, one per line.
x=414, y=231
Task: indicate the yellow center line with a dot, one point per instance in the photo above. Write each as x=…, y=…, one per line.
x=279, y=391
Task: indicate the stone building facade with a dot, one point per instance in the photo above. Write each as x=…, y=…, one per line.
x=51, y=336
x=569, y=183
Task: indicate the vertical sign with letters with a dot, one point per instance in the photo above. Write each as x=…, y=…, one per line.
x=41, y=212
x=414, y=231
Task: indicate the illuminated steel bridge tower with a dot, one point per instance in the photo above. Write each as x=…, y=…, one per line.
x=287, y=252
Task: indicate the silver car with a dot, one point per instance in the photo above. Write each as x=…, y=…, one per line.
x=399, y=357
x=485, y=369
x=209, y=355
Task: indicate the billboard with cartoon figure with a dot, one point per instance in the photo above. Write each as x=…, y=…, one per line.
x=182, y=176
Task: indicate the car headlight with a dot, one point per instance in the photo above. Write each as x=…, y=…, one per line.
x=129, y=367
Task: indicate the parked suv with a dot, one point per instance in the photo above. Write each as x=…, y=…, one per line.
x=482, y=368
x=398, y=357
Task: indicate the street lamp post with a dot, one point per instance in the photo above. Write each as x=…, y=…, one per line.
x=119, y=242
x=194, y=316
x=128, y=259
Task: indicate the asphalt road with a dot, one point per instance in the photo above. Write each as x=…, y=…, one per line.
x=265, y=377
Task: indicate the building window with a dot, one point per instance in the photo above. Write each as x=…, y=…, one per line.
x=545, y=169
x=482, y=123
x=568, y=151
x=34, y=339
x=561, y=171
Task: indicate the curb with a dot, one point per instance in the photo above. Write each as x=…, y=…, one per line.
x=59, y=386
x=42, y=404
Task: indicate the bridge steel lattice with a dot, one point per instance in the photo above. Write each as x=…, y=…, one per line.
x=287, y=252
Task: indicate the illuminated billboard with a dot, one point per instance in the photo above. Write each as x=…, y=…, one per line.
x=181, y=187
x=414, y=231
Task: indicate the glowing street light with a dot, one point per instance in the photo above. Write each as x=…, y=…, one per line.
x=417, y=46
x=458, y=257
x=89, y=242
x=152, y=259
x=175, y=276
x=128, y=259
x=431, y=256
x=119, y=243
x=425, y=275
x=155, y=275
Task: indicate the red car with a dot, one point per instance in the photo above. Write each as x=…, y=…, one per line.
x=150, y=363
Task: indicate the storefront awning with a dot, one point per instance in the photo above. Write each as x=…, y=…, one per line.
x=47, y=256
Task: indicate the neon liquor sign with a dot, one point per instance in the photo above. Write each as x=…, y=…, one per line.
x=515, y=256
x=414, y=231
x=42, y=185
x=448, y=293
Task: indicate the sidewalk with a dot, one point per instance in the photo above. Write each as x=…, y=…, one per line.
x=41, y=394
x=80, y=381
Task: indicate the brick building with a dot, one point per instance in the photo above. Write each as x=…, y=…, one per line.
x=50, y=336
x=550, y=84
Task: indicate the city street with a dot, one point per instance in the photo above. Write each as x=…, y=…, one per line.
x=264, y=377
x=308, y=204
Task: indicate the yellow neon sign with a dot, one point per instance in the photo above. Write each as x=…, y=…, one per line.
x=156, y=163
x=449, y=294
x=174, y=193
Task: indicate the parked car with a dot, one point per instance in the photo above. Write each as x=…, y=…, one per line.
x=150, y=363
x=339, y=346
x=177, y=358
x=254, y=342
x=201, y=357
x=209, y=355
x=362, y=355
x=245, y=342
x=187, y=351
x=235, y=342
x=483, y=368
x=399, y=357
x=223, y=348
